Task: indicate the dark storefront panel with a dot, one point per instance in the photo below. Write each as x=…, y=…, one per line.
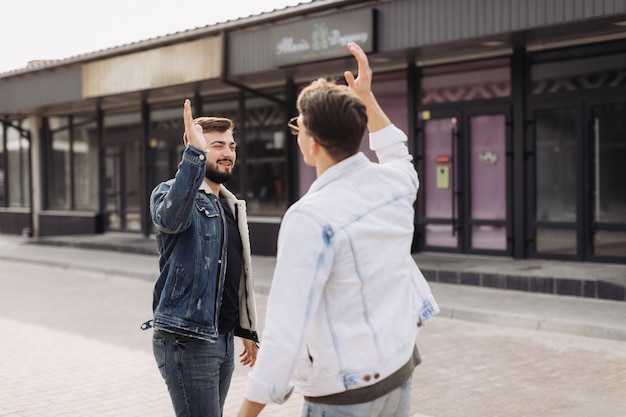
x=577, y=140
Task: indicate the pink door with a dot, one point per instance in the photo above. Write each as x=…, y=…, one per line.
x=464, y=183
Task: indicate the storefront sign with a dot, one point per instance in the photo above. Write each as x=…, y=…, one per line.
x=324, y=37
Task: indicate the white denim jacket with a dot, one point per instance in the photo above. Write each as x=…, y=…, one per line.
x=347, y=298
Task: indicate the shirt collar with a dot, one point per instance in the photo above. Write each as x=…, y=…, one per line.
x=339, y=170
x=205, y=188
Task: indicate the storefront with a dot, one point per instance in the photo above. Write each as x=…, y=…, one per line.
x=515, y=112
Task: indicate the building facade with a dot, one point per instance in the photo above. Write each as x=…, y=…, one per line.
x=515, y=112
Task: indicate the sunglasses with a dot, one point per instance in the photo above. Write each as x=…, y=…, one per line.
x=293, y=126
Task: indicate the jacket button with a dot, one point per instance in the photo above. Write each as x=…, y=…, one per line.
x=367, y=378
x=376, y=375
x=201, y=157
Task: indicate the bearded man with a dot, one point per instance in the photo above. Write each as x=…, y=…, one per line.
x=203, y=296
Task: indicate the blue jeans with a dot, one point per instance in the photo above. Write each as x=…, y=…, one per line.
x=197, y=372
x=395, y=404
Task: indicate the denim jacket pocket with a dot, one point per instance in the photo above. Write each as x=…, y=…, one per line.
x=207, y=207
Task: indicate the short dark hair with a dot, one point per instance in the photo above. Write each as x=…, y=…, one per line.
x=334, y=115
x=212, y=124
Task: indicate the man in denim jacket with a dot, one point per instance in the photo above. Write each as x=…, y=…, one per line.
x=347, y=299
x=204, y=295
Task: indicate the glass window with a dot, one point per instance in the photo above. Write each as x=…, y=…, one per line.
x=609, y=170
x=72, y=169
x=437, y=186
x=265, y=158
x=578, y=74
x=260, y=174
x=555, y=180
x=609, y=243
x=488, y=166
x=555, y=175
x=489, y=237
x=59, y=170
x=86, y=166
x=229, y=109
x=122, y=139
x=437, y=189
x=557, y=241
x=165, y=144
x=488, y=174
x=465, y=82
x=2, y=168
x=18, y=165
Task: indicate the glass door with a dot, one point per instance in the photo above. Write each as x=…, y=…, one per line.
x=114, y=195
x=123, y=171
x=122, y=187
x=439, y=182
x=608, y=170
x=464, y=176
x=556, y=175
x=487, y=172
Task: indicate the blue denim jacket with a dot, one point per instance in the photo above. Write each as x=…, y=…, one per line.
x=191, y=239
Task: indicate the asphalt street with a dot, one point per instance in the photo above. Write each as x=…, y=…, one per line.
x=72, y=346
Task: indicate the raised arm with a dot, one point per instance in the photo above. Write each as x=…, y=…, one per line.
x=362, y=86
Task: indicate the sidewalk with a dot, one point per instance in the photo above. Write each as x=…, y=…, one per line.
x=133, y=255
x=580, y=279
x=72, y=346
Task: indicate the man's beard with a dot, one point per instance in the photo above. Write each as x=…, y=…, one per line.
x=216, y=176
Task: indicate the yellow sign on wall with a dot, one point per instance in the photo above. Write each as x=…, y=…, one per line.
x=443, y=177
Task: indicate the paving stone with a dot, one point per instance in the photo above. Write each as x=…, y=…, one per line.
x=71, y=345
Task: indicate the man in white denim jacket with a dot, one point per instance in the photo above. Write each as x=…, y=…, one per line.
x=347, y=299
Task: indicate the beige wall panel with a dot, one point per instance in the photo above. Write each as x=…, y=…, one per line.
x=171, y=65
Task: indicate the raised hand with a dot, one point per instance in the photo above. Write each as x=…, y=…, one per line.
x=193, y=132
x=362, y=85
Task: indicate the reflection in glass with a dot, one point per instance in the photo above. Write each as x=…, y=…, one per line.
x=72, y=164
x=439, y=235
x=609, y=243
x=2, y=167
x=489, y=237
x=609, y=166
x=609, y=171
x=85, y=148
x=466, y=82
x=488, y=185
x=556, y=170
x=18, y=164
x=59, y=170
x=265, y=181
x=122, y=136
x=438, y=194
x=561, y=241
x=266, y=168
x=488, y=165
x=438, y=181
